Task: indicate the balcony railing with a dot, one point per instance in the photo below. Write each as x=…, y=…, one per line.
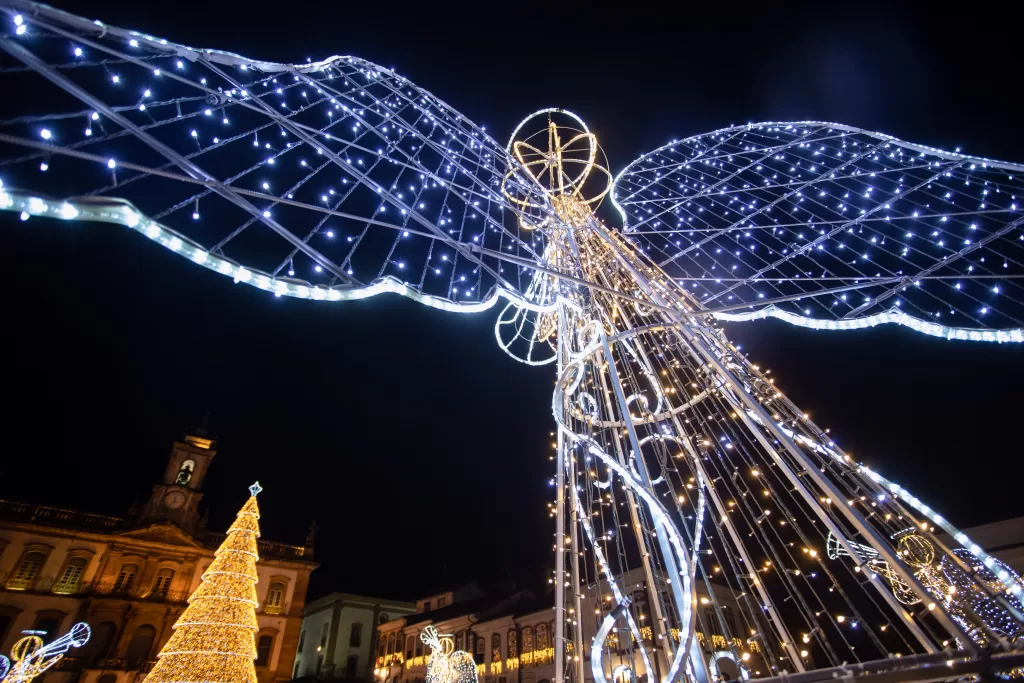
x=136, y=593
x=140, y=665
x=265, y=548
x=54, y=516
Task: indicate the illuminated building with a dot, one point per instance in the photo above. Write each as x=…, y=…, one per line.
x=129, y=577
x=511, y=636
x=339, y=632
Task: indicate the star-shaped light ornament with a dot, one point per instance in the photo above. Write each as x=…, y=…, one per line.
x=255, y=489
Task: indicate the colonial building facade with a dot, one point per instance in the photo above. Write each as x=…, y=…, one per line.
x=512, y=638
x=129, y=578
x=339, y=632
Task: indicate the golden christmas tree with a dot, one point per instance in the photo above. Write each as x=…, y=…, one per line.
x=214, y=640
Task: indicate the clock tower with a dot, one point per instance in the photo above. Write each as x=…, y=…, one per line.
x=176, y=498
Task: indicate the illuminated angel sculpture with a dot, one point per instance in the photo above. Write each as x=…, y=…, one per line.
x=32, y=657
x=446, y=665
x=678, y=462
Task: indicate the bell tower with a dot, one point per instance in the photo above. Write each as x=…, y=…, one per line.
x=176, y=498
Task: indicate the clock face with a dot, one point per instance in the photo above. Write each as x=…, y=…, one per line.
x=174, y=499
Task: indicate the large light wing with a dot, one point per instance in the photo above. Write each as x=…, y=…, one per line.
x=330, y=180
x=833, y=227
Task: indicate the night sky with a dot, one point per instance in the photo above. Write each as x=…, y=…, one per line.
x=419, y=447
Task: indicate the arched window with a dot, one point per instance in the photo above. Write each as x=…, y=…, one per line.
x=410, y=645
x=49, y=623
x=71, y=578
x=24, y=577
x=391, y=643
x=264, y=646
x=542, y=636
x=513, y=643
x=419, y=647
x=381, y=644
x=275, y=598
x=163, y=582
x=459, y=638
x=100, y=640
x=7, y=616
x=495, y=647
x=140, y=646
x=126, y=578
x=185, y=473
x=351, y=665
x=527, y=639
x=355, y=638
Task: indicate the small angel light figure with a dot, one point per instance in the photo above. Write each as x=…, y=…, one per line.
x=32, y=658
x=446, y=665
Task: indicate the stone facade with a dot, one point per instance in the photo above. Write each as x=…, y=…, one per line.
x=339, y=632
x=129, y=578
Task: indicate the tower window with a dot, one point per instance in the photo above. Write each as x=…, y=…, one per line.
x=71, y=577
x=275, y=598
x=188, y=468
x=126, y=579
x=28, y=569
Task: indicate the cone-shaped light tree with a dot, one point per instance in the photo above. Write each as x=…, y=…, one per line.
x=214, y=640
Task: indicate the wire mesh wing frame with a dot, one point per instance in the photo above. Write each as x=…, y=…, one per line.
x=832, y=227
x=330, y=180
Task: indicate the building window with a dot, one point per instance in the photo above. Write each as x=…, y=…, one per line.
x=441, y=602
x=7, y=616
x=419, y=647
x=513, y=644
x=28, y=569
x=101, y=639
x=185, y=473
x=263, y=648
x=275, y=598
x=479, y=647
x=302, y=639
x=49, y=624
x=527, y=639
x=126, y=578
x=71, y=578
x=351, y=665
x=295, y=673
x=426, y=606
x=355, y=638
x=163, y=582
x=542, y=636
x=381, y=644
x=410, y=644
x=391, y=644
x=730, y=621
x=495, y=647
x=458, y=640
x=140, y=646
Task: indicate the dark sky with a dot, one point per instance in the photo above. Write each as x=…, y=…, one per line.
x=416, y=444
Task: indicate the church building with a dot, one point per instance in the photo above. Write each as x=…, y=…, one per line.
x=129, y=577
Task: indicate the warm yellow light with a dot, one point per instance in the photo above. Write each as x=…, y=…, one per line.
x=214, y=639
